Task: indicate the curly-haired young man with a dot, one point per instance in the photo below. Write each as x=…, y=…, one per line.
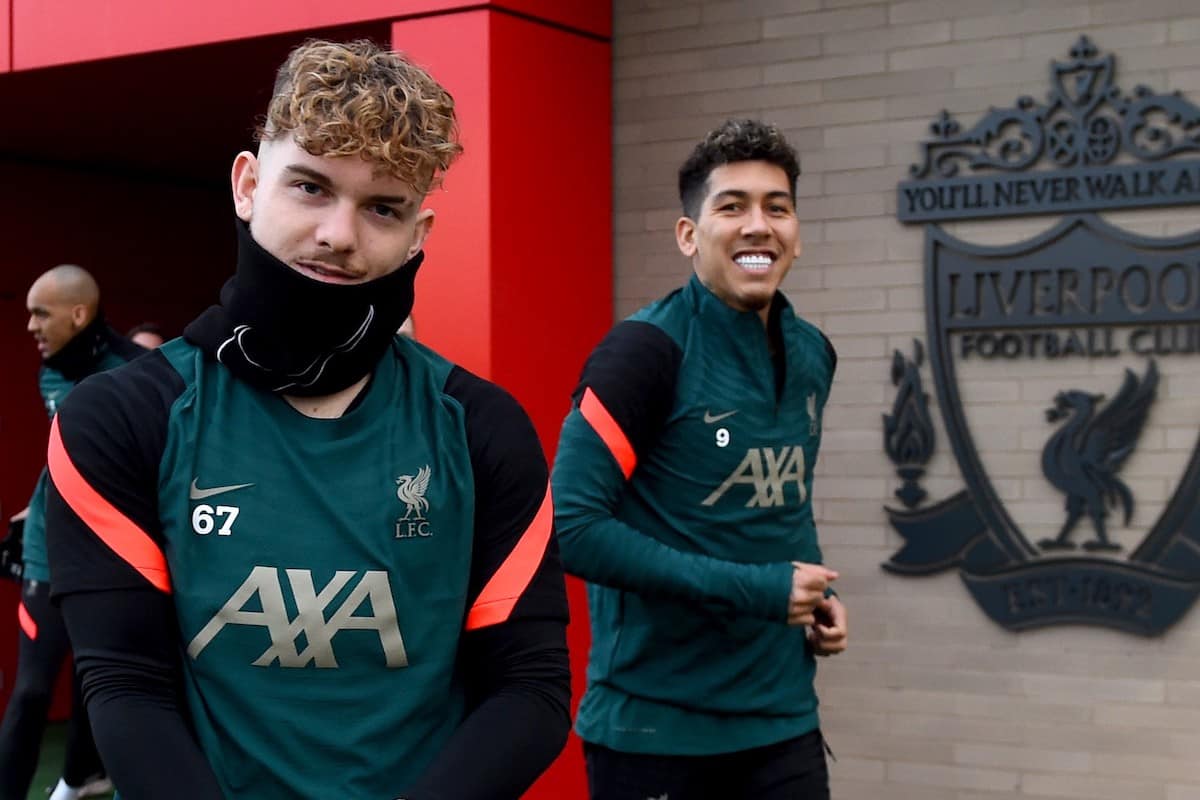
x=298, y=555
x=683, y=488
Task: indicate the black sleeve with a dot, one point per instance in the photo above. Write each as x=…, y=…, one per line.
x=127, y=655
x=110, y=577
x=105, y=445
x=514, y=651
x=633, y=373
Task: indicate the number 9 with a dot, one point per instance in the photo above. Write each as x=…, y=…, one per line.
x=722, y=437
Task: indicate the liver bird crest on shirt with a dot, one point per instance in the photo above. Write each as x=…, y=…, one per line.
x=1083, y=457
x=411, y=491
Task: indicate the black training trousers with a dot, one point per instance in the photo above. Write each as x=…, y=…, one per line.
x=790, y=770
x=39, y=659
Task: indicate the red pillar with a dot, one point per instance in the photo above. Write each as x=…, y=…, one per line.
x=518, y=281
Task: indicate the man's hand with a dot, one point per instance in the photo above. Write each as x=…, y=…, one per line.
x=20, y=515
x=809, y=582
x=828, y=633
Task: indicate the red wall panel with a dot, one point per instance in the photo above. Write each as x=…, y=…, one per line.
x=5, y=35
x=453, y=311
x=49, y=32
x=536, y=227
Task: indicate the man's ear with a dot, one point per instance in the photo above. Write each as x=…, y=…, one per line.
x=79, y=315
x=685, y=236
x=244, y=180
x=421, y=229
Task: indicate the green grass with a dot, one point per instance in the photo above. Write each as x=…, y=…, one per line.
x=50, y=763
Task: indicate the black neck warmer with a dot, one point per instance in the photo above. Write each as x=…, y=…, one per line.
x=78, y=358
x=286, y=333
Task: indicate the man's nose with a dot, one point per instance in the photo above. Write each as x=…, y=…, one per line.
x=338, y=229
x=755, y=223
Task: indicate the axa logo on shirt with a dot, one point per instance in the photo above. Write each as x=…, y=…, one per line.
x=768, y=470
x=311, y=621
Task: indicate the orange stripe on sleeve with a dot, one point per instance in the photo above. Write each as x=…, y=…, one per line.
x=121, y=534
x=27, y=623
x=500, y=594
x=609, y=431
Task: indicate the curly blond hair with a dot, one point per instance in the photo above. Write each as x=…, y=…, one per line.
x=355, y=98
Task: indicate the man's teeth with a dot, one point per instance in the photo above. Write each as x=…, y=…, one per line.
x=755, y=262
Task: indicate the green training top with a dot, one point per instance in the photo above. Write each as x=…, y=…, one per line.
x=683, y=492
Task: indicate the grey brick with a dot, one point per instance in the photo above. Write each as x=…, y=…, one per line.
x=886, y=85
x=956, y=54
x=814, y=69
x=757, y=9
x=1142, y=10
x=825, y=22
x=704, y=36
x=771, y=52
x=764, y=97
x=641, y=22
x=1043, y=17
x=932, y=10
x=886, y=39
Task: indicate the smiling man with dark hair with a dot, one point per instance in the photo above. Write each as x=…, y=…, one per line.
x=683, y=490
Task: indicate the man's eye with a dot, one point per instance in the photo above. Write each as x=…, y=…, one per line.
x=309, y=188
x=386, y=211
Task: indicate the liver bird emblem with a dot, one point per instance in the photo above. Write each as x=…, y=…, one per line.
x=411, y=491
x=1083, y=457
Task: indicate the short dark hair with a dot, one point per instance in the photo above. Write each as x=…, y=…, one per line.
x=735, y=140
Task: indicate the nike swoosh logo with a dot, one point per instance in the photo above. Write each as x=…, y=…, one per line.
x=196, y=493
x=710, y=418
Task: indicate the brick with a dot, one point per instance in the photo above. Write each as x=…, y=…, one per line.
x=763, y=97
x=844, y=207
x=1142, y=10
x=825, y=22
x=887, y=322
x=823, y=114
x=1057, y=45
x=658, y=64
x=1183, y=30
x=932, y=10
x=771, y=52
x=1133, y=717
x=867, y=228
x=842, y=158
x=641, y=22
x=815, y=69
x=704, y=36
x=890, y=274
x=886, y=39
x=1029, y=75
x=874, y=133
x=856, y=181
x=760, y=9
x=954, y=55
x=702, y=81
x=965, y=104
x=1163, y=56
x=1078, y=786
x=952, y=777
x=1033, y=20
x=1022, y=758
x=885, y=85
